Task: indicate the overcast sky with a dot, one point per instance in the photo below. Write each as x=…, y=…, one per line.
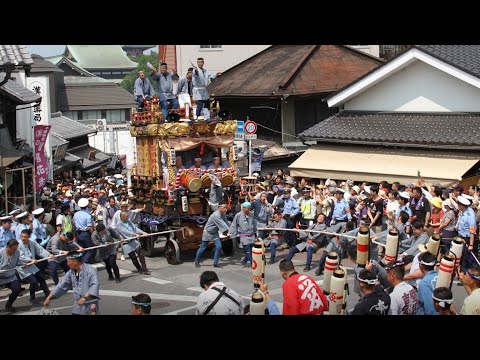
x=46, y=50
x=52, y=50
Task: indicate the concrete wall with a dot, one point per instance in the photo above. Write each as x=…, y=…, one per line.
x=115, y=141
x=418, y=88
x=216, y=60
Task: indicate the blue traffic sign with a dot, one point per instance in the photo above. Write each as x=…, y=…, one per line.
x=240, y=124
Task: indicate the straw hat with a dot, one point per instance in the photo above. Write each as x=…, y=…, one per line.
x=437, y=202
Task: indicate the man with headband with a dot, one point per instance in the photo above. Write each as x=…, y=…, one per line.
x=443, y=300
x=141, y=304
x=471, y=282
x=83, y=280
x=244, y=225
x=217, y=223
x=375, y=300
x=427, y=285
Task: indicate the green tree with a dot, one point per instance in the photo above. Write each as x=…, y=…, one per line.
x=142, y=60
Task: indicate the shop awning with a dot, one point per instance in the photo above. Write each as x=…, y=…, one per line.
x=374, y=164
x=9, y=156
x=92, y=158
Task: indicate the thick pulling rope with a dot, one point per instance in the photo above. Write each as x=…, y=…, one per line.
x=311, y=231
x=93, y=247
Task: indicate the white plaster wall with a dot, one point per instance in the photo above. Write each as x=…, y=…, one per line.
x=418, y=88
x=216, y=60
x=117, y=142
x=369, y=49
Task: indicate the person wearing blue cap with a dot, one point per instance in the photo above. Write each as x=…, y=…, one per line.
x=83, y=280
x=245, y=226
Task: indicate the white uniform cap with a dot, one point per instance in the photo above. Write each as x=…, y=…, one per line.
x=468, y=197
x=22, y=215
x=3, y=218
x=463, y=200
x=14, y=212
x=83, y=202
x=118, y=176
x=367, y=189
x=38, y=211
x=404, y=195
x=448, y=203
x=356, y=188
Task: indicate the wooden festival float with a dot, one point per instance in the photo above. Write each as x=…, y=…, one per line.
x=179, y=199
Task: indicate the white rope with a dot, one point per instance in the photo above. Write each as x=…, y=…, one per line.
x=312, y=231
x=91, y=248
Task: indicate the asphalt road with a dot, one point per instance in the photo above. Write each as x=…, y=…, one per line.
x=174, y=288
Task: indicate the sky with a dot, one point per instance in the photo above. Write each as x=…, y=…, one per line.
x=52, y=50
x=46, y=50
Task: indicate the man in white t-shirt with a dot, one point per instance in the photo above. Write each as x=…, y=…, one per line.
x=403, y=297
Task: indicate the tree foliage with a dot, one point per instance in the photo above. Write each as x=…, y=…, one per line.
x=142, y=60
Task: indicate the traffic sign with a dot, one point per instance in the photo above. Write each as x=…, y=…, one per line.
x=250, y=127
x=239, y=136
x=250, y=136
x=240, y=124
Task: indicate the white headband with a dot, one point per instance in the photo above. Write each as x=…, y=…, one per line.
x=442, y=302
x=369, y=282
x=432, y=263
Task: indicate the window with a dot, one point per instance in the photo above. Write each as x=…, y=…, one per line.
x=210, y=47
x=79, y=115
x=103, y=114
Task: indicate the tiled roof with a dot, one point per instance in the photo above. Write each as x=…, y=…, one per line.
x=94, y=96
x=464, y=57
x=17, y=92
x=403, y=129
x=15, y=54
x=67, y=128
x=40, y=65
x=294, y=70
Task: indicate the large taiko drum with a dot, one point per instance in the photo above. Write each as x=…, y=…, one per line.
x=206, y=180
x=191, y=181
x=226, y=179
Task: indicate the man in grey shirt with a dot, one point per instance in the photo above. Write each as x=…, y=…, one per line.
x=142, y=89
x=165, y=88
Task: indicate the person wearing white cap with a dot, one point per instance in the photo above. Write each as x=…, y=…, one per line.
x=290, y=184
x=39, y=229
x=447, y=224
x=15, y=222
x=467, y=229
x=83, y=221
x=5, y=232
x=403, y=198
x=25, y=222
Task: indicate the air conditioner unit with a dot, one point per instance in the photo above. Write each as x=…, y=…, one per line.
x=102, y=125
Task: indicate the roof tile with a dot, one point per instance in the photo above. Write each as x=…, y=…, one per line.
x=421, y=129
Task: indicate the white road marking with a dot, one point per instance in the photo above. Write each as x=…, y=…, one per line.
x=157, y=281
x=125, y=272
x=180, y=310
x=195, y=288
x=35, y=312
x=129, y=294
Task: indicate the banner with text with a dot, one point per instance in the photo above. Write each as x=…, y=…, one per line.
x=257, y=158
x=41, y=163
